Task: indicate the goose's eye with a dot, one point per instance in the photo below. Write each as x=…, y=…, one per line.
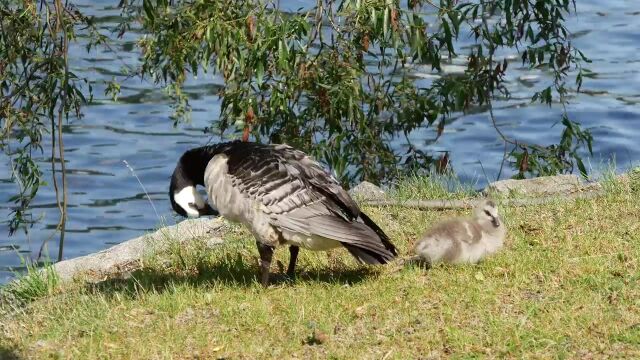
x=488, y=213
x=192, y=205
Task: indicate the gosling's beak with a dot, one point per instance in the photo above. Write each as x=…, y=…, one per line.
x=208, y=211
x=495, y=221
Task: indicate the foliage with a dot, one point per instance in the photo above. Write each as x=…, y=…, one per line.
x=38, y=282
x=37, y=93
x=335, y=79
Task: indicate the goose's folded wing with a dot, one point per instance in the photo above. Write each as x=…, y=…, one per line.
x=363, y=241
x=284, y=179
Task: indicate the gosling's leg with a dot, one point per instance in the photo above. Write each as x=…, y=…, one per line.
x=266, y=254
x=293, y=258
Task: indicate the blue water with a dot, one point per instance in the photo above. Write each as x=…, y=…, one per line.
x=107, y=205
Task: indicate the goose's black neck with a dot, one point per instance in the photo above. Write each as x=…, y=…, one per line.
x=189, y=172
x=192, y=164
x=190, y=168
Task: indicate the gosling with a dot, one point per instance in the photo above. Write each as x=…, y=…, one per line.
x=464, y=240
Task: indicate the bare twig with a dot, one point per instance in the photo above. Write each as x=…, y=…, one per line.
x=141, y=185
x=433, y=4
x=61, y=110
x=55, y=187
x=466, y=204
x=504, y=137
x=60, y=203
x=597, y=256
x=504, y=159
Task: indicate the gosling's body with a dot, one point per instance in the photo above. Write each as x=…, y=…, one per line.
x=464, y=240
x=282, y=196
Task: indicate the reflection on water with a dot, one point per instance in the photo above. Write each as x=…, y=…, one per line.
x=107, y=204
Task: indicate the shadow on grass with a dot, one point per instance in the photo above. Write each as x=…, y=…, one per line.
x=8, y=354
x=228, y=272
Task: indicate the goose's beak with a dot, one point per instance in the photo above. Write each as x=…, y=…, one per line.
x=495, y=221
x=208, y=211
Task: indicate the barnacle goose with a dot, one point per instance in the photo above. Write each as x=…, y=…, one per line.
x=464, y=240
x=284, y=198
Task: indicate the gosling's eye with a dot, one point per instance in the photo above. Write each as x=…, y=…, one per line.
x=488, y=213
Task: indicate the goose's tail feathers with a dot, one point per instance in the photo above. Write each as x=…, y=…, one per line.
x=377, y=255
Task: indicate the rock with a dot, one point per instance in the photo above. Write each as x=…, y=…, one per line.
x=126, y=257
x=367, y=191
x=542, y=186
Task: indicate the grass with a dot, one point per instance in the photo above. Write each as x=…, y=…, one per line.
x=36, y=285
x=565, y=286
x=435, y=186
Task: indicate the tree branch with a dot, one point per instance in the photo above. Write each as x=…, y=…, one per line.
x=61, y=111
x=466, y=204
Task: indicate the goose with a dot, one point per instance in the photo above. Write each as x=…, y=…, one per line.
x=464, y=240
x=282, y=196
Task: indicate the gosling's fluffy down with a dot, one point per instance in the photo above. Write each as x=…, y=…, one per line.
x=464, y=240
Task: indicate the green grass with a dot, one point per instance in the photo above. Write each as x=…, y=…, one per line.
x=435, y=186
x=36, y=285
x=565, y=286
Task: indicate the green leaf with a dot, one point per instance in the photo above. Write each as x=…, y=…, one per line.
x=448, y=38
x=581, y=167
x=259, y=72
x=149, y=11
x=385, y=21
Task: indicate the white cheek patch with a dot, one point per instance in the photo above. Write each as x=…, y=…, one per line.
x=189, y=195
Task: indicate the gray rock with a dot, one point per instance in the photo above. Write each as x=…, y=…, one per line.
x=367, y=191
x=126, y=257
x=542, y=186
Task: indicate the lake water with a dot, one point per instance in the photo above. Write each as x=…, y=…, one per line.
x=107, y=205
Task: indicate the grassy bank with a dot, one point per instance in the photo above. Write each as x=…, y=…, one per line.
x=566, y=285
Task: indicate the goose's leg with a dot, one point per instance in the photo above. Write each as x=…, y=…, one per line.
x=293, y=252
x=266, y=254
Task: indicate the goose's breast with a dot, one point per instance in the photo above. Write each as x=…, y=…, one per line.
x=494, y=241
x=310, y=242
x=488, y=244
x=473, y=253
x=224, y=196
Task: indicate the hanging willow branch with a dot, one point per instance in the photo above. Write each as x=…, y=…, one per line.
x=61, y=113
x=36, y=84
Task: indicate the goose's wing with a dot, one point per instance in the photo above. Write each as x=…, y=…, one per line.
x=301, y=197
x=284, y=179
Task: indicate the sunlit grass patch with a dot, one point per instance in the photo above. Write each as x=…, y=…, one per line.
x=434, y=186
x=36, y=283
